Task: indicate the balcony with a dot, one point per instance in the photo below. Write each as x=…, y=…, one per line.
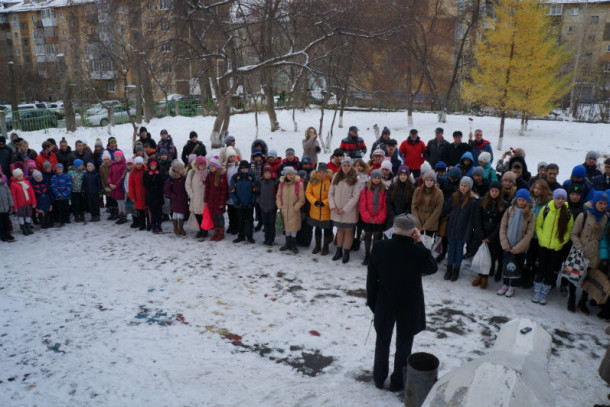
x=49, y=21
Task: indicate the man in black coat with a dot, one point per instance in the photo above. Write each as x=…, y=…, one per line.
x=453, y=152
x=436, y=146
x=602, y=182
x=193, y=146
x=395, y=295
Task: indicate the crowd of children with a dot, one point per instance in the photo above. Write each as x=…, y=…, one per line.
x=459, y=199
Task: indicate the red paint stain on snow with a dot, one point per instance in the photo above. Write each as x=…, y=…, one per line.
x=314, y=333
x=234, y=339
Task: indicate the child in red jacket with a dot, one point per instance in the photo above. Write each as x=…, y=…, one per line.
x=24, y=201
x=373, y=211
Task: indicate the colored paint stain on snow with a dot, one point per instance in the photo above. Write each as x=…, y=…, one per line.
x=158, y=317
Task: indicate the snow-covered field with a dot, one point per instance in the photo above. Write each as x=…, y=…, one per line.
x=100, y=315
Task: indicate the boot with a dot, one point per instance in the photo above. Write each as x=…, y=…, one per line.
x=339, y=254
x=181, y=227
x=135, y=223
x=355, y=245
x=122, y=219
x=484, y=281
x=199, y=234
x=498, y=274
x=221, y=234
x=365, y=262
x=572, y=303
x=327, y=240
x=148, y=223
x=477, y=281
x=537, y=290
x=345, y=256
x=582, y=304
x=114, y=213
x=142, y=223
x=24, y=230
x=176, y=231
x=317, y=247
x=30, y=228
x=455, y=274
x=293, y=245
x=95, y=219
x=544, y=292
x=214, y=236
x=287, y=245
x=448, y=273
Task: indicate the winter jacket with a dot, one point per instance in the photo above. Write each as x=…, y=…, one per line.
x=466, y=169
x=137, y=190
x=92, y=183
x=104, y=172
x=215, y=197
x=42, y=157
x=586, y=186
x=44, y=196
x=151, y=142
x=19, y=198
x=536, y=207
x=65, y=157
x=592, y=171
x=77, y=179
x=197, y=148
x=164, y=167
x=478, y=148
x=601, y=182
x=265, y=150
x=379, y=144
x=275, y=167
x=449, y=188
x=397, y=160
x=434, y=150
x=344, y=196
x=353, y=147
x=168, y=144
x=366, y=207
x=461, y=220
x=289, y=199
x=490, y=173
x=394, y=287
x=414, y=152
x=399, y=204
x=527, y=230
x=61, y=185
x=257, y=168
x=21, y=156
x=6, y=198
x=480, y=189
x=317, y=191
x=429, y=211
x=487, y=222
x=587, y=234
x=294, y=164
x=154, y=183
x=452, y=153
x=5, y=159
x=175, y=190
x=267, y=191
x=196, y=190
x=333, y=167
x=115, y=177
x=243, y=189
x=311, y=147
x=86, y=156
x=546, y=227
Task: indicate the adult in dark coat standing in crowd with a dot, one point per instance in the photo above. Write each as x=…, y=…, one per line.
x=193, y=146
x=395, y=295
x=436, y=146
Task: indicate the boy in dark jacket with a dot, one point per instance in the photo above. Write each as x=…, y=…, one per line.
x=243, y=195
x=61, y=186
x=267, y=189
x=77, y=196
x=93, y=189
x=153, y=182
x=44, y=199
x=257, y=164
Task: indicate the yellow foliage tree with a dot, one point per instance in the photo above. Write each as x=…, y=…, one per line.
x=518, y=63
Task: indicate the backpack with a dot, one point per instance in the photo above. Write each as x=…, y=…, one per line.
x=296, y=190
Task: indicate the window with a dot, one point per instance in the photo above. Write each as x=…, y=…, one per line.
x=122, y=29
x=39, y=50
x=17, y=51
x=165, y=4
x=571, y=29
x=24, y=26
x=554, y=10
x=149, y=5
x=111, y=87
x=61, y=14
x=608, y=48
x=595, y=19
x=166, y=47
x=32, y=17
x=167, y=67
x=607, y=68
x=574, y=11
x=16, y=36
x=85, y=30
x=164, y=25
x=149, y=26
x=121, y=8
x=26, y=42
x=15, y=17
x=63, y=32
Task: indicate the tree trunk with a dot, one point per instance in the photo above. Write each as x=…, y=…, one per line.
x=343, y=102
x=13, y=92
x=501, y=136
x=67, y=98
x=149, y=101
x=221, y=124
x=204, y=85
x=410, y=95
x=269, y=105
x=138, y=91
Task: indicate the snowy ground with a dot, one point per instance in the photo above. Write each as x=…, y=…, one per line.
x=100, y=315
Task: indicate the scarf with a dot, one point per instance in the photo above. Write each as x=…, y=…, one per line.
x=376, y=189
x=202, y=175
x=25, y=188
x=153, y=172
x=515, y=226
x=598, y=215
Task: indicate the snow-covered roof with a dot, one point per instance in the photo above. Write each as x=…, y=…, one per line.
x=576, y=1
x=14, y=6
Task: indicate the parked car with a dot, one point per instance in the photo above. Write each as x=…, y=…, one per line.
x=101, y=107
x=30, y=120
x=101, y=119
x=30, y=106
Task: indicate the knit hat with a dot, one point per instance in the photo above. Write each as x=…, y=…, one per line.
x=267, y=168
x=379, y=152
x=439, y=130
x=424, y=167
x=509, y=175
x=59, y=165
x=78, y=162
x=289, y=150
x=480, y=171
x=152, y=161
x=163, y=151
x=560, y=193
x=17, y=172
x=231, y=152
x=485, y=157
x=193, y=134
x=496, y=185
x=322, y=166
x=272, y=153
x=592, y=154
x=579, y=172
x=139, y=147
x=376, y=173
x=467, y=181
x=390, y=142
x=346, y=160
x=427, y=174
x=257, y=153
x=138, y=160
x=302, y=174
x=405, y=222
x=385, y=131
x=516, y=164
x=129, y=161
x=599, y=196
x=413, y=131
x=201, y=160
x=111, y=140
x=229, y=139
x=353, y=128
x=244, y=164
x=163, y=132
x=441, y=165
x=455, y=173
x=403, y=169
x=98, y=143
x=574, y=188
x=177, y=165
x=36, y=174
x=215, y=162
x=386, y=165
x=106, y=155
x=306, y=160
x=143, y=130
x=2, y=140
x=523, y=193
x=542, y=164
x=47, y=164
x=288, y=170
x=119, y=153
